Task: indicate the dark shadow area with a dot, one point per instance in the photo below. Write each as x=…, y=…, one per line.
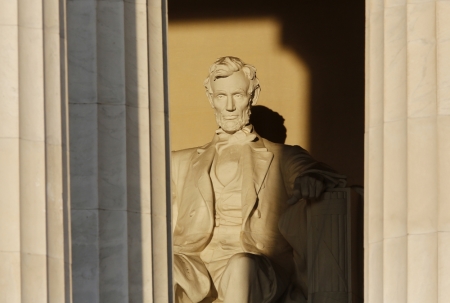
x=268, y=124
x=329, y=37
x=357, y=234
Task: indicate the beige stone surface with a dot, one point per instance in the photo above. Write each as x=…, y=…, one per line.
x=31, y=84
x=443, y=48
x=444, y=266
x=421, y=56
x=443, y=125
x=10, y=268
x=374, y=273
x=55, y=235
x=55, y=110
x=395, y=85
x=57, y=286
x=32, y=197
x=55, y=188
x=33, y=278
x=8, y=14
x=9, y=218
x=9, y=80
x=375, y=194
x=31, y=139
x=415, y=218
x=422, y=175
x=395, y=271
x=374, y=162
x=422, y=268
x=395, y=181
x=375, y=33
x=10, y=188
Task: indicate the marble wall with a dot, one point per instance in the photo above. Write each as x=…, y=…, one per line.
x=407, y=170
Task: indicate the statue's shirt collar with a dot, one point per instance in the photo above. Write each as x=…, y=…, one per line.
x=241, y=137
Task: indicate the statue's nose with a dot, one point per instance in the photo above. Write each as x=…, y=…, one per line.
x=230, y=105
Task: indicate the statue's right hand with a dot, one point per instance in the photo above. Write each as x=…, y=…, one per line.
x=308, y=187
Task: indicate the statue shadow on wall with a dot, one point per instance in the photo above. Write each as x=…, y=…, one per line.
x=268, y=124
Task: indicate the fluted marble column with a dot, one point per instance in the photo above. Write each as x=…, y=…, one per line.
x=34, y=234
x=407, y=168
x=84, y=154
x=119, y=151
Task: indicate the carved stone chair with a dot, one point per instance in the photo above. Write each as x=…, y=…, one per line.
x=333, y=237
x=335, y=250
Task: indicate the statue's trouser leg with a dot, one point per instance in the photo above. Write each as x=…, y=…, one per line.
x=249, y=278
x=192, y=276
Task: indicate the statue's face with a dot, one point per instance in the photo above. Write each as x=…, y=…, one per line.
x=231, y=101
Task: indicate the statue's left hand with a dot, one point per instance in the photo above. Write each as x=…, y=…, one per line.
x=308, y=186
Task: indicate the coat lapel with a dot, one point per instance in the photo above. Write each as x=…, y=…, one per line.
x=201, y=166
x=256, y=161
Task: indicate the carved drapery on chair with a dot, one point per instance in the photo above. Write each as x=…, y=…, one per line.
x=334, y=258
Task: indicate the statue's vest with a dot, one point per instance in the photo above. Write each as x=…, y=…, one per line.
x=225, y=240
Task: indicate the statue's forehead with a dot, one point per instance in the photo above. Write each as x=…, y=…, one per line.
x=237, y=80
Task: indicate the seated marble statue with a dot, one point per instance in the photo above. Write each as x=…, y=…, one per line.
x=239, y=209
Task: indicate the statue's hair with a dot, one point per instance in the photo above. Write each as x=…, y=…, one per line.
x=225, y=67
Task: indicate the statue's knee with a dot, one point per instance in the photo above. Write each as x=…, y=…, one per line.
x=243, y=263
x=241, y=276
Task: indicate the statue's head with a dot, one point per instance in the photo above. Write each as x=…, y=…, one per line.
x=232, y=88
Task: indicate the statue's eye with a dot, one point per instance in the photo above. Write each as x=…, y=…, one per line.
x=220, y=96
x=238, y=95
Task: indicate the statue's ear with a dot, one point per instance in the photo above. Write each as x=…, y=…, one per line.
x=210, y=99
x=255, y=95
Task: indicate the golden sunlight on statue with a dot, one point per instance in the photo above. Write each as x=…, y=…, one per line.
x=239, y=208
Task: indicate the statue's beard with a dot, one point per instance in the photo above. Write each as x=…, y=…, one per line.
x=232, y=126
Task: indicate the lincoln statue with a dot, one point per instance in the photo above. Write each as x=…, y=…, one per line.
x=239, y=203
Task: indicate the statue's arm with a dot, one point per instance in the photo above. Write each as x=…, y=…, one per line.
x=306, y=177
